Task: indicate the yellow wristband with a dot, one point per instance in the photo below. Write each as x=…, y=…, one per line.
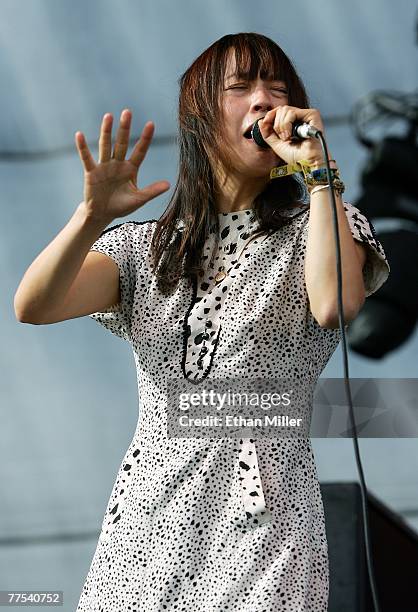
x=300, y=166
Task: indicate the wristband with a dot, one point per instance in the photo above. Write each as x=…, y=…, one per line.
x=319, y=188
x=303, y=166
x=339, y=188
x=288, y=169
x=312, y=176
x=320, y=176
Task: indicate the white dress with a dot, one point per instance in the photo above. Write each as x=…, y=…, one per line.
x=218, y=524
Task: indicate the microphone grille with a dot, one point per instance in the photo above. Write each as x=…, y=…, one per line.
x=257, y=136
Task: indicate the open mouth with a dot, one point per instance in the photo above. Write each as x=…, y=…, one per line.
x=247, y=133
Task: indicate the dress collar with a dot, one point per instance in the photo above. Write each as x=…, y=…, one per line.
x=245, y=216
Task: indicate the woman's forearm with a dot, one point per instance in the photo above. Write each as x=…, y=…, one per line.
x=321, y=267
x=46, y=282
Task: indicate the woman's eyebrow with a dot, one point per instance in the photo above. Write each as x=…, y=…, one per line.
x=245, y=76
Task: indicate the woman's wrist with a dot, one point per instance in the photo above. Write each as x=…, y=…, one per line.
x=320, y=163
x=317, y=188
x=317, y=178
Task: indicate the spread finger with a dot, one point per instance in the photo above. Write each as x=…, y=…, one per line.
x=84, y=152
x=105, y=140
x=141, y=147
x=122, y=136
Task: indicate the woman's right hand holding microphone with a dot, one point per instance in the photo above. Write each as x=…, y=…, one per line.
x=110, y=186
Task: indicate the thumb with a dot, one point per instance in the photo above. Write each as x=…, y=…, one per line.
x=153, y=190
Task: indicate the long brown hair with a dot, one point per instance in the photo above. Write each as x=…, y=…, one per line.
x=177, y=247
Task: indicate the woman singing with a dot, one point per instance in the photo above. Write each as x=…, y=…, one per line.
x=237, y=279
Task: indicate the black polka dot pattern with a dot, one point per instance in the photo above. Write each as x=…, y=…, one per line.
x=204, y=319
x=228, y=524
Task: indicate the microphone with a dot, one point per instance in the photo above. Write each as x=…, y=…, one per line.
x=300, y=131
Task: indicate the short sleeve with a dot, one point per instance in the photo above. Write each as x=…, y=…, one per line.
x=118, y=242
x=376, y=268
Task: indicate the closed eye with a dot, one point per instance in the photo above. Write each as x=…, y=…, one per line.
x=280, y=89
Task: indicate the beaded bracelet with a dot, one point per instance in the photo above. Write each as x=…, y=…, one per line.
x=320, y=176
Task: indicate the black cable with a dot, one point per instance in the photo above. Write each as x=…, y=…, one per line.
x=49, y=538
x=346, y=378
x=39, y=155
x=20, y=156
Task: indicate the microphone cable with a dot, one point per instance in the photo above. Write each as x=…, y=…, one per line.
x=301, y=131
x=346, y=379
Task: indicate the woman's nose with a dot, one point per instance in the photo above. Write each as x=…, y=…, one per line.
x=261, y=100
x=261, y=107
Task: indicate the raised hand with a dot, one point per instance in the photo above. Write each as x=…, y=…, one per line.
x=110, y=186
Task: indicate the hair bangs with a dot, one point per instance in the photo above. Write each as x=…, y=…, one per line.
x=257, y=57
